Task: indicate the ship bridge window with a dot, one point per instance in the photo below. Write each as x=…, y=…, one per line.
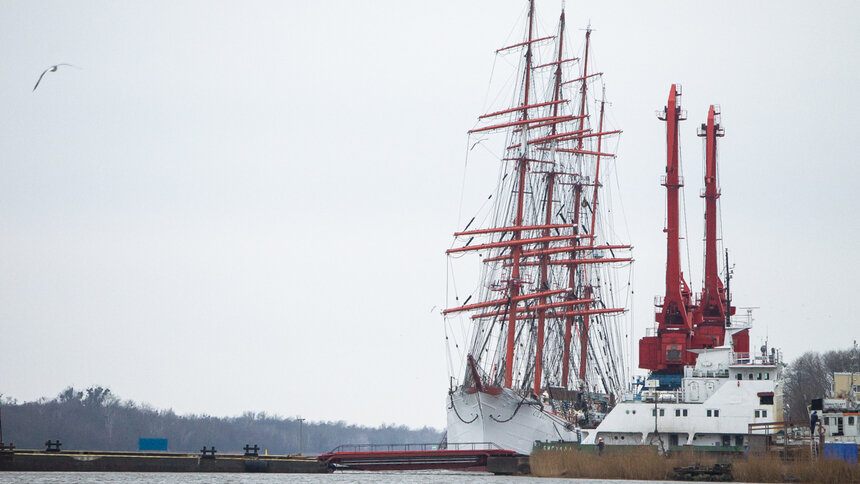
x=767, y=376
x=826, y=420
x=765, y=399
x=679, y=412
x=750, y=376
x=740, y=376
x=654, y=412
x=850, y=420
x=761, y=413
x=759, y=376
x=713, y=413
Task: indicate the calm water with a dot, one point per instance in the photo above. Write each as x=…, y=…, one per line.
x=419, y=477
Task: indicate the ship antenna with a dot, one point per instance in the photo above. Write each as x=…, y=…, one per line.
x=728, y=292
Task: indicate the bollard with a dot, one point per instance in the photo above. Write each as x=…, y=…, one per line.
x=208, y=453
x=52, y=447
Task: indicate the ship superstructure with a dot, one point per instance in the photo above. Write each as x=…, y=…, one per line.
x=547, y=350
x=839, y=419
x=704, y=386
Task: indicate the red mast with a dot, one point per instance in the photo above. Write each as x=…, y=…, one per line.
x=544, y=285
x=522, y=167
x=568, y=324
x=586, y=322
x=577, y=193
x=550, y=185
x=584, y=87
x=668, y=350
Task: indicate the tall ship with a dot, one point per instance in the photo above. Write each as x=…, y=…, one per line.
x=705, y=386
x=545, y=344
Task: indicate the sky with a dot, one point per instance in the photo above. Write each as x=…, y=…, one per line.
x=244, y=206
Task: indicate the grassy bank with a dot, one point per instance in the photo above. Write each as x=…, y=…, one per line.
x=627, y=463
x=645, y=464
x=773, y=469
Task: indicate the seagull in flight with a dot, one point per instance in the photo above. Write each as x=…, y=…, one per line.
x=50, y=69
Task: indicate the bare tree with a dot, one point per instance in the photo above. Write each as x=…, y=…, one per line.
x=807, y=377
x=841, y=360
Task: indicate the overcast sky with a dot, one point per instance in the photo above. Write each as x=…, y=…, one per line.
x=245, y=205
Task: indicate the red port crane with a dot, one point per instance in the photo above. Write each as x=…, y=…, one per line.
x=712, y=313
x=668, y=349
x=683, y=324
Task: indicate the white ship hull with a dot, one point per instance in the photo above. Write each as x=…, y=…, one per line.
x=506, y=420
x=716, y=402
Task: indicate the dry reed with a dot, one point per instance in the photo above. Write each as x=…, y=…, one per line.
x=644, y=463
x=771, y=468
x=627, y=463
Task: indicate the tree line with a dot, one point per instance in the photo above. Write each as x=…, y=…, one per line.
x=96, y=419
x=810, y=376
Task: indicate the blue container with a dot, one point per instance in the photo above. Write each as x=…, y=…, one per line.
x=841, y=451
x=668, y=381
x=152, y=444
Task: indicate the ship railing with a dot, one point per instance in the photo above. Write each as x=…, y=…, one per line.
x=693, y=372
x=664, y=181
x=416, y=447
x=739, y=358
x=703, y=191
x=663, y=396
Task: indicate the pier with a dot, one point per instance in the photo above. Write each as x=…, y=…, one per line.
x=485, y=457
x=208, y=461
x=399, y=457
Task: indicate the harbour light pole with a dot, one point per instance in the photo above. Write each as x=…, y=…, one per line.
x=301, y=440
x=851, y=393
